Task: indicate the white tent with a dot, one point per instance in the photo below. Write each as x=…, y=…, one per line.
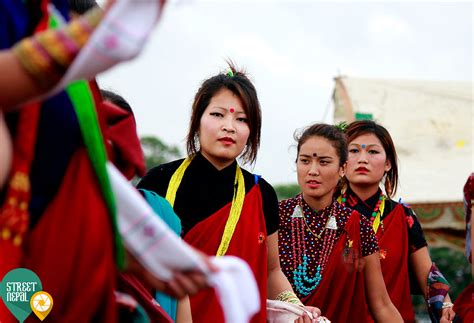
x=431, y=123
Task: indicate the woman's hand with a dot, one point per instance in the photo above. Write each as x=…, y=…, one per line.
x=305, y=318
x=183, y=282
x=447, y=315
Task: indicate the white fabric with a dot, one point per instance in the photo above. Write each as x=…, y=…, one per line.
x=120, y=36
x=162, y=252
x=238, y=295
x=283, y=312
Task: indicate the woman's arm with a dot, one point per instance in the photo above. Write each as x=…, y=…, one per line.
x=36, y=63
x=183, y=314
x=277, y=281
x=378, y=300
x=421, y=263
x=17, y=85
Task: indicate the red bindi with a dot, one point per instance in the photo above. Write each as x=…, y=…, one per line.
x=231, y=110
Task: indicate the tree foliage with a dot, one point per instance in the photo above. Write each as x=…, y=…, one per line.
x=157, y=152
x=285, y=191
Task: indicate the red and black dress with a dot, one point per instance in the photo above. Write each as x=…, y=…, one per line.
x=203, y=202
x=323, y=260
x=399, y=235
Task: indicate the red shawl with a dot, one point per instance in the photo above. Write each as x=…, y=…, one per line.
x=464, y=305
x=393, y=241
x=341, y=292
x=71, y=249
x=248, y=243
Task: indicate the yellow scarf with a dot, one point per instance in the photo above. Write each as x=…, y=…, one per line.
x=235, y=209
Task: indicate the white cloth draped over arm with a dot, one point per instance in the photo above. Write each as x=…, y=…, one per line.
x=162, y=252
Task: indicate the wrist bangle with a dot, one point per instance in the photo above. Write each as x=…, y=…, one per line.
x=447, y=305
x=47, y=55
x=289, y=297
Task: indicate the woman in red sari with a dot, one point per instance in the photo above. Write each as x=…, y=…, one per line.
x=224, y=210
x=328, y=252
x=404, y=254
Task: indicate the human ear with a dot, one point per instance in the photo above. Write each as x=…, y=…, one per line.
x=388, y=165
x=342, y=170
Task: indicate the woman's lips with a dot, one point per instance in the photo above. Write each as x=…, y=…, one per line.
x=313, y=184
x=227, y=140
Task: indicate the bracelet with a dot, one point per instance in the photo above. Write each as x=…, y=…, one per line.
x=289, y=296
x=47, y=55
x=447, y=305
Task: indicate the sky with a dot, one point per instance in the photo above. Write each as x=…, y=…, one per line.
x=292, y=50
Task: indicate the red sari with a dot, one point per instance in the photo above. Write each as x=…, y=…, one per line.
x=393, y=243
x=248, y=243
x=341, y=293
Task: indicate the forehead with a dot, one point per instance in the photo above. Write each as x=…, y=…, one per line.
x=319, y=146
x=366, y=139
x=226, y=99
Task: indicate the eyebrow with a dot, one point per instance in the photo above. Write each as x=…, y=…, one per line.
x=222, y=108
x=369, y=145
x=320, y=157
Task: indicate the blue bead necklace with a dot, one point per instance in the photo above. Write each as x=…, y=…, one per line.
x=303, y=282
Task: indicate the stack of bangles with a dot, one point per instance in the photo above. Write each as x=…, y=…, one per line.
x=47, y=55
x=289, y=297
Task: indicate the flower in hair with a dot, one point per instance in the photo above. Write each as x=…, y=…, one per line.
x=342, y=126
x=230, y=73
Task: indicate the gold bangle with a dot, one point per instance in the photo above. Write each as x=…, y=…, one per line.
x=289, y=296
x=47, y=55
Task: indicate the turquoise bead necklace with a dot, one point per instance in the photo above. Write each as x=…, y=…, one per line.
x=303, y=282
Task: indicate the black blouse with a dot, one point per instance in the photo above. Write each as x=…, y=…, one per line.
x=205, y=190
x=416, y=238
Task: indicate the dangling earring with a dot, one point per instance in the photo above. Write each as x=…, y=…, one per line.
x=197, y=143
x=344, y=184
x=388, y=186
x=341, y=187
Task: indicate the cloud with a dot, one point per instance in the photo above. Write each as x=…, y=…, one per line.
x=384, y=27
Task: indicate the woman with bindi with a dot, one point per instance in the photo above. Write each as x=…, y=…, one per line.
x=406, y=264
x=329, y=252
x=225, y=209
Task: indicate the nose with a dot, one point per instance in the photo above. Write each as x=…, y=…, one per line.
x=363, y=158
x=313, y=169
x=228, y=126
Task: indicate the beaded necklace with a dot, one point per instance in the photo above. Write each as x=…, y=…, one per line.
x=376, y=215
x=305, y=283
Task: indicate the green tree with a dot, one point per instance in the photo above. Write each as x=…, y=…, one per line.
x=285, y=191
x=157, y=152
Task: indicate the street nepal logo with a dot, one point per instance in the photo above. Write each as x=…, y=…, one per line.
x=21, y=292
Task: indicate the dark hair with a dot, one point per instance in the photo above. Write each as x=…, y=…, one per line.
x=329, y=132
x=358, y=128
x=116, y=99
x=81, y=6
x=239, y=84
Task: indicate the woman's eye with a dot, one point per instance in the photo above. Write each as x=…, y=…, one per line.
x=373, y=152
x=242, y=120
x=303, y=161
x=324, y=162
x=216, y=114
x=353, y=150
